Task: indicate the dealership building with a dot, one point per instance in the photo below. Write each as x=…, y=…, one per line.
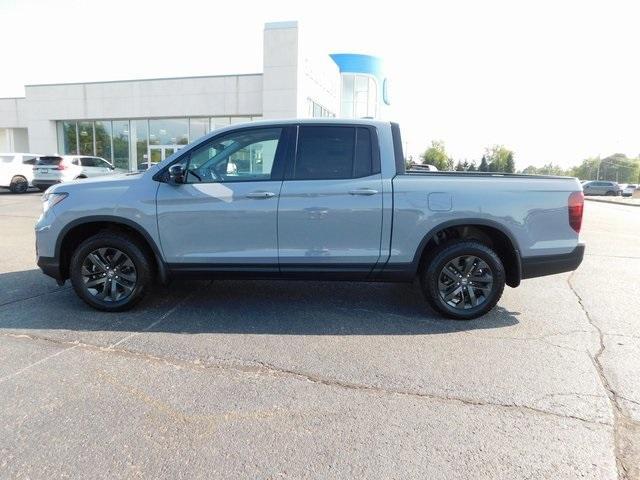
x=131, y=122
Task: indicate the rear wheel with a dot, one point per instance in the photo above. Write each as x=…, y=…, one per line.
x=42, y=189
x=110, y=272
x=19, y=184
x=463, y=279
x=610, y=194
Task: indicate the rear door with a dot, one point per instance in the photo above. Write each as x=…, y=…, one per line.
x=7, y=166
x=330, y=210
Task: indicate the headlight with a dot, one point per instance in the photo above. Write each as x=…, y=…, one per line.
x=51, y=199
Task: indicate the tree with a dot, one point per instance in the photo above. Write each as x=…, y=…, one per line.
x=510, y=166
x=497, y=158
x=436, y=155
x=460, y=167
x=484, y=166
x=472, y=167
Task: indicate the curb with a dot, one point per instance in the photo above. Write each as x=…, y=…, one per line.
x=614, y=202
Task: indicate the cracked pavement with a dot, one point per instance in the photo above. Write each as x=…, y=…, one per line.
x=333, y=380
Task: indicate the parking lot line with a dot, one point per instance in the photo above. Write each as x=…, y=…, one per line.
x=28, y=367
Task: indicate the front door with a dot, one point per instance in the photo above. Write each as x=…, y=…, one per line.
x=225, y=212
x=330, y=212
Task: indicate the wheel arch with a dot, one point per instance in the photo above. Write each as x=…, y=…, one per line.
x=79, y=230
x=488, y=232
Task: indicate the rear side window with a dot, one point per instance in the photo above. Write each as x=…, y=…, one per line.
x=29, y=160
x=326, y=153
x=90, y=162
x=48, y=160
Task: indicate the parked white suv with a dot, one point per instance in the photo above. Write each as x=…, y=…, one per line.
x=52, y=169
x=16, y=170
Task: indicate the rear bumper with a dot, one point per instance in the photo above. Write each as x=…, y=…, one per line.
x=551, y=264
x=51, y=267
x=44, y=183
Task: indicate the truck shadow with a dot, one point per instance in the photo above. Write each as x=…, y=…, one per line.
x=29, y=300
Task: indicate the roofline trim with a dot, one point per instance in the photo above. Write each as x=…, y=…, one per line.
x=141, y=80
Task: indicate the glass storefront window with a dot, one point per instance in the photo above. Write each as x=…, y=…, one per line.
x=103, y=139
x=85, y=138
x=140, y=138
x=197, y=128
x=121, y=144
x=168, y=131
x=359, y=96
x=69, y=143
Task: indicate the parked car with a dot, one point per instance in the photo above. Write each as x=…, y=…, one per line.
x=628, y=190
x=314, y=199
x=51, y=169
x=423, y=167
x=16, y=171
x=601, y=187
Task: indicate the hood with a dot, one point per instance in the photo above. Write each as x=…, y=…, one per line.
x=116, y=180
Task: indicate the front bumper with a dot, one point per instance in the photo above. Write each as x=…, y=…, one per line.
x=51, y=266
x=551, y=264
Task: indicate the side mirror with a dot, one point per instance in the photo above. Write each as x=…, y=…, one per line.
x=176, y=174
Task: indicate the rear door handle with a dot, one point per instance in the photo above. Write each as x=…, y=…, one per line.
x=363, y=191
x=261, y=195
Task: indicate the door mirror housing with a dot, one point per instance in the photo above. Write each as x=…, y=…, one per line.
x=176, y=174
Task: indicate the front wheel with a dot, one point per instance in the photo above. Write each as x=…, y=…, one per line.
x=110, y=272
x=463, y=279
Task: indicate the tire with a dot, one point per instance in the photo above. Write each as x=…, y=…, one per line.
x=104, y=268
x=42, y=189
x=19, y=184
x=610, y=194
x=476, y=294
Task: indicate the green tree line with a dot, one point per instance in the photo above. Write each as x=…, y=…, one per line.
x=497, y=158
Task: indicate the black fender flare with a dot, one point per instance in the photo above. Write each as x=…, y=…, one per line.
x=163, y=271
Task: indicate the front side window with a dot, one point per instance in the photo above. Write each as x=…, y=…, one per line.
x=246, y=155
x=326, y=153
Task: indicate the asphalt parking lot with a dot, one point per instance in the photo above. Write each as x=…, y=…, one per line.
x=247, y=379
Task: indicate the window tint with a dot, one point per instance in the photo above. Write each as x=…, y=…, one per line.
x=48, y=160
x=246, y=155
x=363, y=164
x=333, y=153
x=29, y=160
x=6, y=158
x=89, y=162
x=325, y=153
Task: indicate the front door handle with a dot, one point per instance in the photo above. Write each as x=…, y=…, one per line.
x=363, y=191
x=261, y=195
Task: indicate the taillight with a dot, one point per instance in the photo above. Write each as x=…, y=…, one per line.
x=576, y=207
x=61, y=166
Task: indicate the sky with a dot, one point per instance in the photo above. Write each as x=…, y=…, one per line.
x=553, y=80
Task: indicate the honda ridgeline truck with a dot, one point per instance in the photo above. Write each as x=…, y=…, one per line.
x=309, y=199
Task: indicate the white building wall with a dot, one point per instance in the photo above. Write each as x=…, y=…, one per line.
x=280, y=70
x=295, y=72
x=12, y=113
x=232, y=95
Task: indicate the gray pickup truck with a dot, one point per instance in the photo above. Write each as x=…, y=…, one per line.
x=309, y=199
